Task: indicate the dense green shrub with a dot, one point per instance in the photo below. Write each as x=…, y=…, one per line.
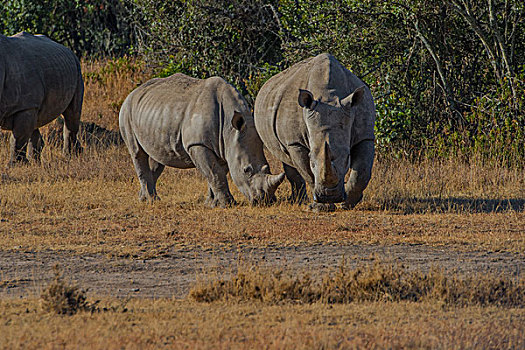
x=447, y=76
x=88, y=27
x=234, y=39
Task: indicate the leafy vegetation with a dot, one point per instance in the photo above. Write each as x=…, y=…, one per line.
x=448, y=77
x=88, y=27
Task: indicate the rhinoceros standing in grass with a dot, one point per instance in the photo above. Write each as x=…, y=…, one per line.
x=39, y=80
x=318, y=119
x=185, y=122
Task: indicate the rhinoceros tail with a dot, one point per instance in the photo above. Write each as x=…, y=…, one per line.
x=126, y=130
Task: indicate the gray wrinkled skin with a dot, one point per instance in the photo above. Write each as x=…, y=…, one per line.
x=318, y=119
x=185, y=122
x=39, y=80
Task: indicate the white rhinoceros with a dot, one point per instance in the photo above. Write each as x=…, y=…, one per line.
x=318, y=119
x=185, y=122
x=39, y=80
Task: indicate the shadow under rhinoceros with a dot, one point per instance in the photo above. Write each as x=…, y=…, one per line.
x=90, y=134
x=454, y=204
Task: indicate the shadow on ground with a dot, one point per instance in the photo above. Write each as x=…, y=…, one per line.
x=90, y=134
x=454, y=204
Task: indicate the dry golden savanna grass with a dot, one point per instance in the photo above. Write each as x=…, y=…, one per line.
x=165, y=323
x=373, y=306
x=365, y=283
x=89, y=203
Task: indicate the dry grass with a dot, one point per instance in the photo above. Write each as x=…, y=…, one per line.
x=446, y=186
x=376, y=282
x=64, y=298
x=89, y=204
x=107, y=84
x=164, y=323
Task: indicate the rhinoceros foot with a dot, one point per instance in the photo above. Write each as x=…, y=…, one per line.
x=321, y=207
x=17, y=161
x=75, y=150
x=351, y=202
x=144, y=196
x=220, y=202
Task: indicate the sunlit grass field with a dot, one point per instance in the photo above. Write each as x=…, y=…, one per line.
x=90, y=204
x=152, y=324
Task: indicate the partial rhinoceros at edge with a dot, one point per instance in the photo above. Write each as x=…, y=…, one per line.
x=39, y=80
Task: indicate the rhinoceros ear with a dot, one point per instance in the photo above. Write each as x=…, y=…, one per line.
x=237, y=120
x=306, y=99
x=354, y=98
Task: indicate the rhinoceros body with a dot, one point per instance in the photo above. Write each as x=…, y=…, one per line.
x=318, y=118
x=39, y=80
x=185, y=122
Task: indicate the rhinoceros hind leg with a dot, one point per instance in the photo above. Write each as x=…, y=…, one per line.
x=72, y=125
x=35, y=146
x=156, y=169
x=362, y=156
x=298, y=184
x=17, y=151
x=23, y=127
x=215, y=171
x=147, y=192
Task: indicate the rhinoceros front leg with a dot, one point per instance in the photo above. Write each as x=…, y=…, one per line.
x=35, y=146
x=215, y=171
x=297, y=183
x=23, y=126
x=362, y=159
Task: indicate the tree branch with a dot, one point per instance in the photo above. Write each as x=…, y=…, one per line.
x=464, y=12
x=494, y=28
x=446, y=90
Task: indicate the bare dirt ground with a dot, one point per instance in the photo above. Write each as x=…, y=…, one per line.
x=172, y=275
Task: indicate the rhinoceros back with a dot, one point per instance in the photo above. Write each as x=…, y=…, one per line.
x=167, y=116
x=39, y=74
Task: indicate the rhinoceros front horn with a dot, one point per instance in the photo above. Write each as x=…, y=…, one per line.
x=274, y=181
x=330, y=175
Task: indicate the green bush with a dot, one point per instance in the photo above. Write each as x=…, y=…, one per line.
x=88, y=27
x=447, y=77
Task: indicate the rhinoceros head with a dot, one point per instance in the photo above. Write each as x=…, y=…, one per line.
x=246, y=161
x=329, y=131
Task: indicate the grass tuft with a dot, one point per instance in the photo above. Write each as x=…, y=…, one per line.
x=368, y=283
x=64, y=299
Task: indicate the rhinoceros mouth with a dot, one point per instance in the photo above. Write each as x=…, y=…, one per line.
x=334, y=194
